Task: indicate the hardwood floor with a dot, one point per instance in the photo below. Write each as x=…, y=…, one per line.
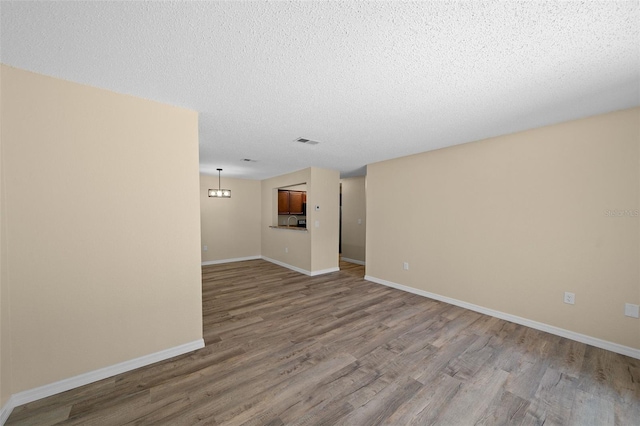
x=286, y=349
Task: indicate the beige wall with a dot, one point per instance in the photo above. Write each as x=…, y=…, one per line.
x=324, y=191
x=5, y=360
x=511, y=223
x=102, y=232
x=230, y=227
x=317, y=248
x=354, y=218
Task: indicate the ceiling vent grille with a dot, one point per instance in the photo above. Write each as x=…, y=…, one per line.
x=307, y=141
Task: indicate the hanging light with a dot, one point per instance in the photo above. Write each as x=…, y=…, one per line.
x=220, y=193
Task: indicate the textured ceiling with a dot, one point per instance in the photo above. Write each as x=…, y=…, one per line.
x=368, y=80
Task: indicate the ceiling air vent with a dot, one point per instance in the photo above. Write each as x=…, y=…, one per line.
x=307, y=141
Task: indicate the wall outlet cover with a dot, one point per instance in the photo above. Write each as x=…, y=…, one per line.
x=569, y=298
x=632, y=310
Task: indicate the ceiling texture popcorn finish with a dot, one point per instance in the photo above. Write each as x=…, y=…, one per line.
x=369, y=81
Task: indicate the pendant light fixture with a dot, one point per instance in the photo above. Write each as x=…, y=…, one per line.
x=220, y=193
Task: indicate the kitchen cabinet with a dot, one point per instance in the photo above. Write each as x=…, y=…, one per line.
x=295, y=202
x=291, y=202
x=283, y=202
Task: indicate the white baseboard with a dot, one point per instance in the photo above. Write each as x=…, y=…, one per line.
x=357, y=262
x=286, y=265
x=6, y=410
x=582, y=338
x=277, y=262
x=302, y=271
x=324, y=271
x=235, y=259
x=31, y=395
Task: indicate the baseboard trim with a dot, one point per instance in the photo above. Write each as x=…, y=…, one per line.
x=286, y=265
x=582, y=338
x=357, y=262
x=302, y=271
x=235, y=259
x=31, y=395
x=277, y=262
x=6, y=410
x=324, y=271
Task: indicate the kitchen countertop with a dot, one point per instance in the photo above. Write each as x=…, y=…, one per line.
x=291, y=228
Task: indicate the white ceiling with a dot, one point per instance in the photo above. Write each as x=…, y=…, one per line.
x=368, y=80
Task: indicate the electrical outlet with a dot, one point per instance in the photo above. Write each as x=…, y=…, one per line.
x=286, y=249
x=205, y=248
x=317, y=223
x=359, y=221
x=569, y=298
x=405, y=266
x=632, y=310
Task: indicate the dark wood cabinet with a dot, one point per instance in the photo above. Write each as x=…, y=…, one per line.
x=291, y=202
x=295, y=202
x=283, y=202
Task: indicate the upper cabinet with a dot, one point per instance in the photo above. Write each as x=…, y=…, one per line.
x=291, y=202
x=283, y=202
x=295, y=202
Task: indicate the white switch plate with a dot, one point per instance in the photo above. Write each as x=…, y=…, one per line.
x=569, y=298
x=632, y=310
x=317, y=224
x=405, y=266
x=359, y=221
x=205, y=248
x=286, y=249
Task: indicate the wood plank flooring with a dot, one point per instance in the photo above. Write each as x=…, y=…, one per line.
x=286, y=349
